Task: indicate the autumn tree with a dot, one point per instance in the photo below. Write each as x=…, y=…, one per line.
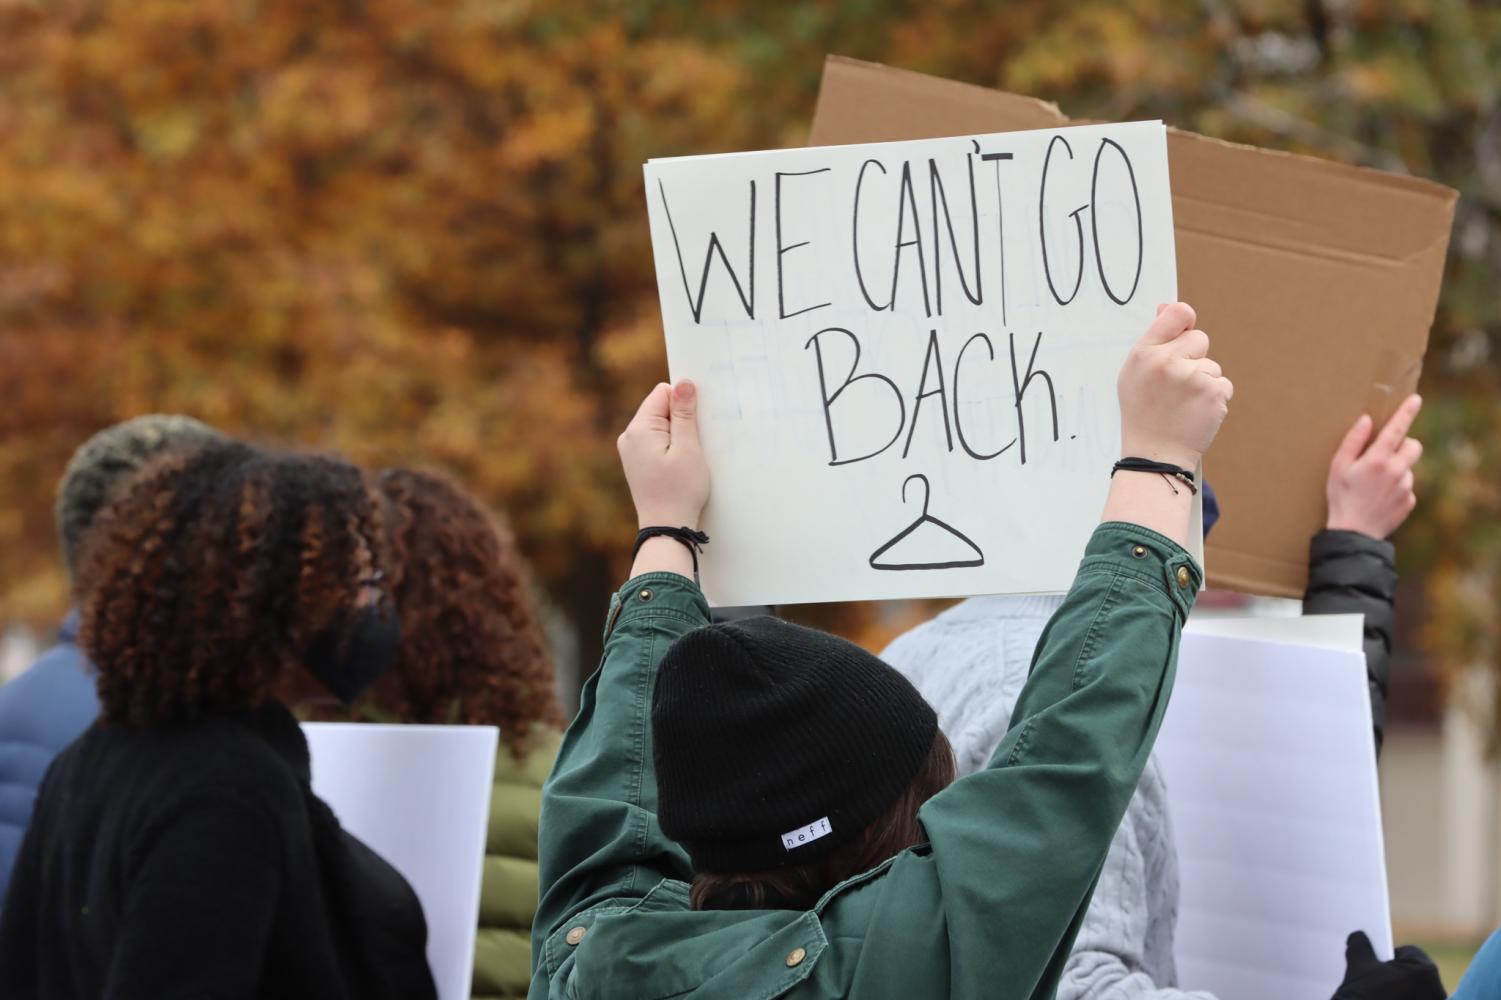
x=408, y=230
x=414, y=230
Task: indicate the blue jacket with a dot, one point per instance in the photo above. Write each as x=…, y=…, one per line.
x=41, y=712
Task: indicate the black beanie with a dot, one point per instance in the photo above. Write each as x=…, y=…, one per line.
x=776, y=743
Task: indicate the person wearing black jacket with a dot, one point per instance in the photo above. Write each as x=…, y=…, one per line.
x=177, y=848
x=1352, y=568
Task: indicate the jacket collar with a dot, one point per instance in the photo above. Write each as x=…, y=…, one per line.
x=278, y=727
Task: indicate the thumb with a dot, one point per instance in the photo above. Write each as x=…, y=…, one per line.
x=1172, y=320
x=1358, y=951
x=685, y=413
x=1353, y=443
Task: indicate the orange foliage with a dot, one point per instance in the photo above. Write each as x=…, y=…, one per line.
x=414, y=231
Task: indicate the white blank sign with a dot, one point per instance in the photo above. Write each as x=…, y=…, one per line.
x=1271, y=776
x=907, y=352
x=419, y=796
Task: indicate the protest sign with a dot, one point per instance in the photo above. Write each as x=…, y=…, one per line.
x=1344, y=632
x=1317, y=282
x=907, y=352
x=419, y=796
x=1271, y=783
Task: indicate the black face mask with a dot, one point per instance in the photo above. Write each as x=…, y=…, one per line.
x=369, y=647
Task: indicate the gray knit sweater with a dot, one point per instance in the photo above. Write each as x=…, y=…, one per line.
x=970, y=663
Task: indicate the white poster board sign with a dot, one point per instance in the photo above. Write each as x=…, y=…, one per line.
x=907, y=352
x=419, y=796
x=1271, y=778
x=1346, y=632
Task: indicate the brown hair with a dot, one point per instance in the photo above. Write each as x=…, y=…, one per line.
x=472, y=648
x=208, y=575
x=799, y=887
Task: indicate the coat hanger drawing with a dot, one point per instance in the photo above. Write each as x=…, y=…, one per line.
x=926, y=518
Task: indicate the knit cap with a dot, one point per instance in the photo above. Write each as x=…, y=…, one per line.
x=110, y=458
x=776, y=743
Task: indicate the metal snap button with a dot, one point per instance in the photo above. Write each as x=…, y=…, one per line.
x=1139, y=551
x=1182, y=576
x=645, y=594
x=796, y=958
x=576, y=935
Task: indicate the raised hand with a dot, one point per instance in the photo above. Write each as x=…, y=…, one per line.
x=1370, y=489
x=663, y=462
x=1173, y=396
x=1411, y=975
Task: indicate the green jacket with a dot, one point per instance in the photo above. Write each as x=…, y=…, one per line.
x=508, y=898
x=988, y=908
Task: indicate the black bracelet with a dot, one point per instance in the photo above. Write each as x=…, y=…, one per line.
x=1166, y=470
x=694, y=541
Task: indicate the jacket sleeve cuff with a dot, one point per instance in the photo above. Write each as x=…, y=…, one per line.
x=1149, y=556
x=657, y=595
x=1331, y=544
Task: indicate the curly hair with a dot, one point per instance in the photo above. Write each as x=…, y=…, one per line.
x=110, y=458
x=211, y=571
x=472, y=649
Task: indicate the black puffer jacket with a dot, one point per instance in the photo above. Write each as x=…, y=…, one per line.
x=1351, y=573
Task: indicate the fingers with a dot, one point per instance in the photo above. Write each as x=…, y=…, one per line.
x=651, y=417
x=1410, y=451
x=655, y=404
x=684, y=413
x=1172, y=320
x=1411, y=954
x=1193, y=345
x=1353, y=444
x=1395, y=431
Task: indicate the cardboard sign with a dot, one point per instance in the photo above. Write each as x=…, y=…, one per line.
x=1317, y=282
x=907, y=353
x=419, y=796
x=1276, y=812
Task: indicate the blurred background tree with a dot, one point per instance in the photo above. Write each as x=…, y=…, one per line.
x=413, y=230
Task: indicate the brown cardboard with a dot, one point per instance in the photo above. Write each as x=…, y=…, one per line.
x=1317, y=282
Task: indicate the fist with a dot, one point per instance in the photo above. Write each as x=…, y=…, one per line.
x=1371, y=488
x=663, y=462
x=1173, y=395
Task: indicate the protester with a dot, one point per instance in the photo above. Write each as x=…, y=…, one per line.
x=54, y=700
x=772, y=765
x=971, y=661
x=178, y=849
x=472, y=651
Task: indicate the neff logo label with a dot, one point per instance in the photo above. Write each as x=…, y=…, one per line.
x=805, y=835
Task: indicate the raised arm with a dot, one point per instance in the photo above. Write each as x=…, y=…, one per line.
x=1016, y=848
x=1352, y=568
x=599, y=837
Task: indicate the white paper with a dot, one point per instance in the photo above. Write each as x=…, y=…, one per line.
x=1271, y=776
x=419, y=796
x=1346, y=632
x=967, y=448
